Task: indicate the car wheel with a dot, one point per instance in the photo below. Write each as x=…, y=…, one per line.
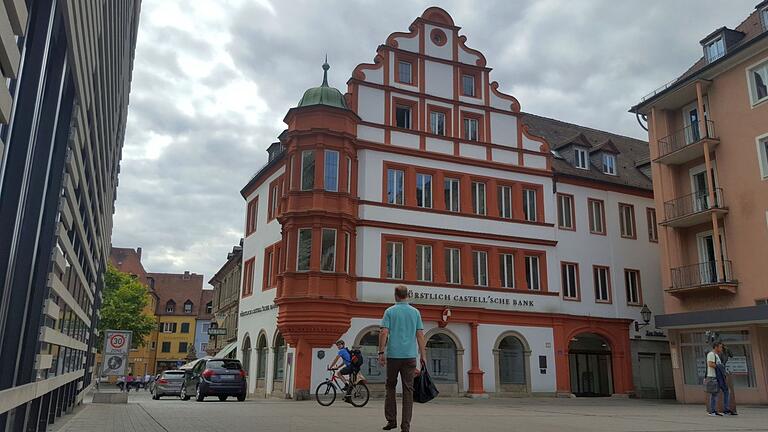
x=222, y=398
x=241, y=397
x=199, y=396
x=183, y=393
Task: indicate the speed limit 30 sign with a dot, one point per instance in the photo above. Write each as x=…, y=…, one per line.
x=117, y=342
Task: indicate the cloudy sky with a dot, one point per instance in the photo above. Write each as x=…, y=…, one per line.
x=214, y=78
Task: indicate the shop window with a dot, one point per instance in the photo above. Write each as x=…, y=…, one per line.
x=441, y=358
x=279, y=367
x=424, y=263
x=424, y=190
x=371, y=369
x=737, y=357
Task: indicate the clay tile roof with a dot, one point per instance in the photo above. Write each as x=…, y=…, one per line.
x=128, y=260
x=179, y=288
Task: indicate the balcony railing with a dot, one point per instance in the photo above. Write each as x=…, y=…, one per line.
x=684, y=137
x=701, y=274
x=691, y=204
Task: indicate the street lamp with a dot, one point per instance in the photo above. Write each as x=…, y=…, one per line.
x=645, y=312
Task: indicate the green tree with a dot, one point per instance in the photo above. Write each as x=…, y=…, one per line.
x=123, y=307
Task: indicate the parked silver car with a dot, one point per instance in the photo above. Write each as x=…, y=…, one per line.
x=168, y=384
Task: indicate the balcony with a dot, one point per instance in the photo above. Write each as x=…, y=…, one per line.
x=693, y=209
x=686, y=144
x=702, y=277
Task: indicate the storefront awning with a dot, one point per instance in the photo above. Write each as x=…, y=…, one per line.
x=227, y=351
x=717, y=317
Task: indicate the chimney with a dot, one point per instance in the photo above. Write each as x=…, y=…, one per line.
x=186, y=274
x=138, y=252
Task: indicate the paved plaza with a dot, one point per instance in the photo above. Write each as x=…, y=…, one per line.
x=444, y=415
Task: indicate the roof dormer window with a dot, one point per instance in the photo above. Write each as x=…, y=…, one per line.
x=609, y=164
x=581, y=159
x=714, y=49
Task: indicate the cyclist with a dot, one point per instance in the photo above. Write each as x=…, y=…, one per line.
x=345, y=365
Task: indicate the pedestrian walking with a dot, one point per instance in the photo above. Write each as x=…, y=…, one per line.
x=402, y=334
x=725, y=381
x=147, y=381
x=714, y=383
x=128, y=382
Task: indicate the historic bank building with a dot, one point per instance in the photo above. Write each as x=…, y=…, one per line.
x=529, y=244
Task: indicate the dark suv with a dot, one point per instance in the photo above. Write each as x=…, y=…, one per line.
x=215, y=377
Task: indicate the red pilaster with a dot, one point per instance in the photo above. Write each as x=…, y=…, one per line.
x=475, y=373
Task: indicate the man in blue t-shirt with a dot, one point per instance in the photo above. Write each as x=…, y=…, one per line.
x=402, y=333
x=346, y=360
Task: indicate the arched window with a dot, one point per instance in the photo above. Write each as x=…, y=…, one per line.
x=441, y=358
x=369, y=346
x=170, y=306
x=188, y=306
x=511, y=361
x=247, y=354
x=261, y=357
x=279, y=370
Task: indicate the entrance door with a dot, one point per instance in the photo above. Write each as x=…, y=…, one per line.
x=667, y=380
x=708, y=266
x=691, y=120
x=649, y=380
x=589, y=361
x=700, y=191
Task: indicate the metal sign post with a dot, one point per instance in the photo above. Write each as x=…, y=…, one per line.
x=117, y=345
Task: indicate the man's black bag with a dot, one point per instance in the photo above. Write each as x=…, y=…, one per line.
x=424, y=389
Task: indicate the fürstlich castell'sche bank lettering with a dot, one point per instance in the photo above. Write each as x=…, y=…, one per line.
x=63, y=109
x=529, y=244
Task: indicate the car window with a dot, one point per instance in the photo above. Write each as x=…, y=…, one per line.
x=224, y=364
x=173, y=375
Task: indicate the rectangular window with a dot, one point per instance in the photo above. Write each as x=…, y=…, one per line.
x=424, y=190
x=437, y=122
x=349, y=174
x=267, y=270
x=451, y=194
x=331, y=171
x=347, y=245
x=480, y=267
x=478, y=198
x=328, y=250
x=758, y=83
x=694, y=347
x=274, y=199
x=468, y=85
x=596, y=216
x=632, y=285
x=424, y=263
x=762, y=156
x=507, y=262
x=403, y=116
x=602, y=280
x=627, y=221
x=529, y=204
x=609, y=164
x=570, y=279
x=394, y=260
x=565, y=212
x=505, y=202
x=653, y=231
x=532, y=276
x=307, y=170
x=470, y=129
x=405, y=72
x=187, y=307
x=395, y=179
x=166, y=347
x=185, y=327
x=252, y=218
x=169, y=327
x=581, y=159
x=248, y=276
x=715, y=49
x=182, y=347
x=304, y=249
x=453, y=266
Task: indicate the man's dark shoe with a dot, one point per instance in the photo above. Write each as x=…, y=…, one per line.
x=390, y=426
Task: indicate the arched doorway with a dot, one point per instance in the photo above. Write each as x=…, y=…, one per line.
x=589, y=363
x=278, y=370
x=512, y=356
x=369, y=346
x=444, y=363
x=246, y=348
x=261, y=364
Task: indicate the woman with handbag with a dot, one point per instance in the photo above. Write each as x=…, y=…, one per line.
x=711, y=384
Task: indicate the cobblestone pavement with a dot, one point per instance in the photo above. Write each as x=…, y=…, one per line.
x=444, y=415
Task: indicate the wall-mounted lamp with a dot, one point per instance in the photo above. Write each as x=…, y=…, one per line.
x=646, y=313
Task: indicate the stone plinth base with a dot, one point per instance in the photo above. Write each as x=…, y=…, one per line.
x=110, y=398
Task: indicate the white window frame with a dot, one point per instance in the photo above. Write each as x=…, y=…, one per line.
x=435, y=124
x=599, y=288
x=480, y=267
x=507, y=264
x=471, y=126
x=635, y=284
x=653, y=231
x=393, y=248
x=464, y=87
x=268, y=269
x=275, y=199
x=422, y=183
x=762, y=64
x=565, y=214
x=347, y=246
x=570, y=292
x=393, y=181
x=627, y=225
x=596, y=209
x=333, y=249
x=609, y=164
x=334, y=174
x=424, y=272
x=479, y=206
x=533, y=272
x=298, y=250
x=505, y=201
x=450, y=204
x=454, y=273
x=711, y=43
x=410, y=71
x=301, y=180
x=168, y=327
x=529, y=205
x=349, y=174
x=581, y=159
x=762, y=155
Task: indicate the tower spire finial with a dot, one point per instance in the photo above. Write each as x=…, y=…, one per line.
x=326, y=66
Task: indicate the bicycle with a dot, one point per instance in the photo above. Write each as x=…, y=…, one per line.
x=326, y=391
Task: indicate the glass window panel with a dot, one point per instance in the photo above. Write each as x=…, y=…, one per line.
x=478, y=198
x=437, y=122
x=395, y=180
x=480, y=267
x=529, y=204
x=331, y=170
x=394, y=263
x=468, y=85
x=470, y=129
x=453, y=266
x=505, y=201
x=304, y=249
x=451, y=188
x=307, y=170
x=403, y=116
x=328, y=252
x=424, y=263
x=532, y=273
x=424, y=190
x=404, y=71
x=507, y=270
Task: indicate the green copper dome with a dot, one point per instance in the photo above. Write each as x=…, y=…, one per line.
x=323, y=95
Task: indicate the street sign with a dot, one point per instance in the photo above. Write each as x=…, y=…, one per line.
x=117, y=344
x=217, y=331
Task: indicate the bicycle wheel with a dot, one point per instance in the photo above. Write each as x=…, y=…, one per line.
x=325, y=393
x=360, y=395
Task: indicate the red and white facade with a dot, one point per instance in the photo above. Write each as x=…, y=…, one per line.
x=431, y=180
